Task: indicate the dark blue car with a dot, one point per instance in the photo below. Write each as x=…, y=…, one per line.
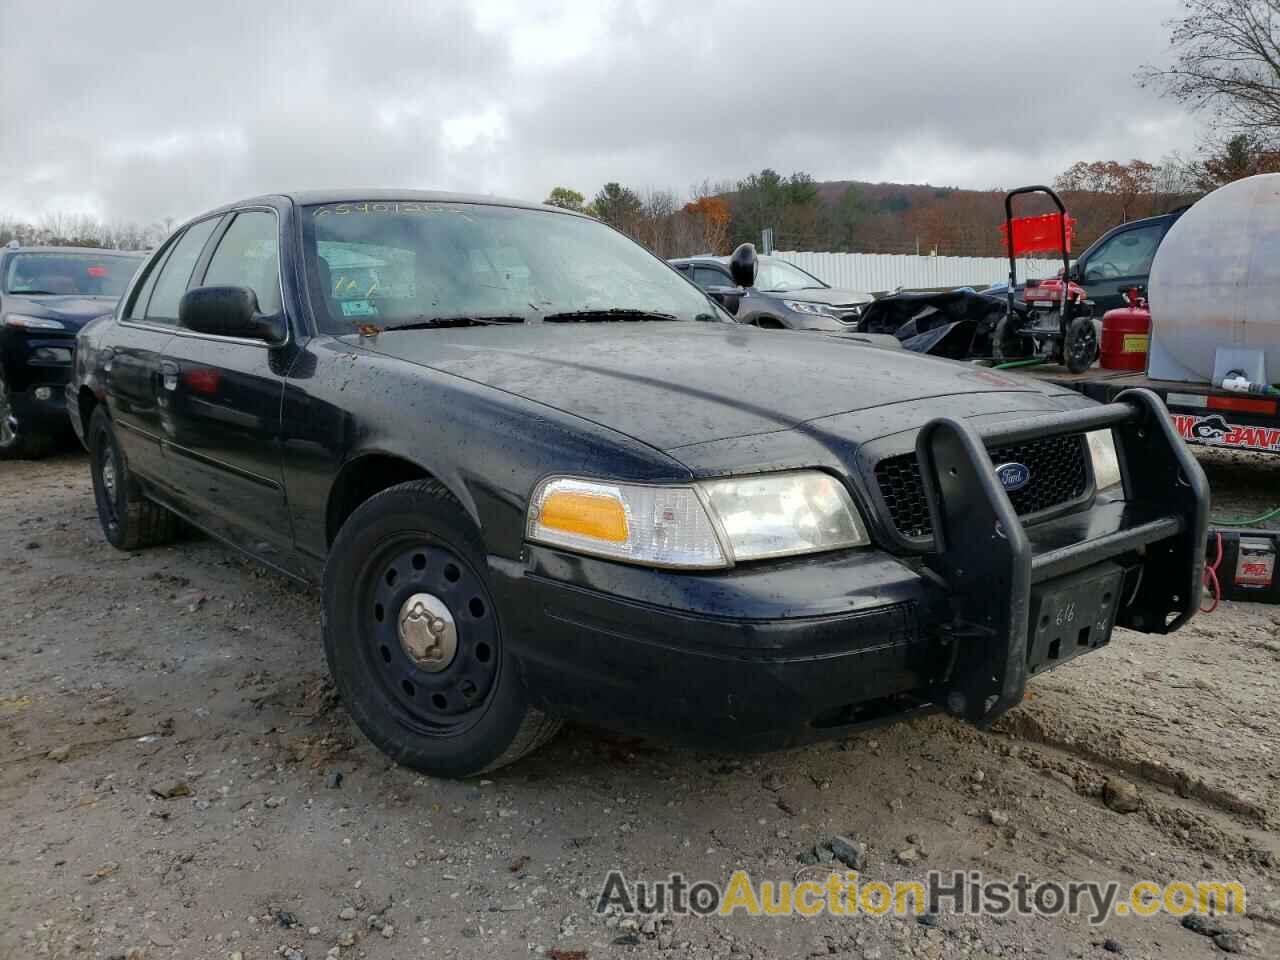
x=46, y=295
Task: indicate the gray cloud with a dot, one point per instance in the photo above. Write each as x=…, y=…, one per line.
x=140, y=110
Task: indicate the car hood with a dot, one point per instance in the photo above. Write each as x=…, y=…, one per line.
x=676, y=384
x=831, y=295
x=71, y=310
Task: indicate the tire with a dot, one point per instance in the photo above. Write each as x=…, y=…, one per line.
x=16, y=442
x=1006, y=342
x=129, y=520
x=442, y=695
x=1080, y=348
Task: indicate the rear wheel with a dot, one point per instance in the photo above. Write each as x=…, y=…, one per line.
x=1080, y=348
x=414, y=640
x=16, y=440
x=129, y=520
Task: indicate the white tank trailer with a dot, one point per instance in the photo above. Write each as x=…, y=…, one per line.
x=1215, y=290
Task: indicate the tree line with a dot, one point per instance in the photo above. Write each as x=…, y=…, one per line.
x=82, y=230
x=844, y=216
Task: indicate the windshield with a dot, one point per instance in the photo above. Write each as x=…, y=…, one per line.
x=410, y=262
x=76, y=274
x=778, y=276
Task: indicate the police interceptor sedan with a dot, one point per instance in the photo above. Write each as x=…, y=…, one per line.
x=538, y=476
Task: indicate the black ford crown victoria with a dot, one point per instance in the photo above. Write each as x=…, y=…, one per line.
x=539, y=477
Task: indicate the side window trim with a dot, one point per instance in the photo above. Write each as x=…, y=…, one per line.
x=202, y=262
x=158, y=268
x=201, y=270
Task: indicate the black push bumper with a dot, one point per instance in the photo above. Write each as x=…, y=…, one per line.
x=1011, y=587
x=772, y=654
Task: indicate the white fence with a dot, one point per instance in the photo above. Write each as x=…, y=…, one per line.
x=879, y=272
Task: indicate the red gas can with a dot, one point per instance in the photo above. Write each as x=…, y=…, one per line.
x=1126, y=334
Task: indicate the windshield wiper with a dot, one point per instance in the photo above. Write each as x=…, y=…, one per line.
x=39, y=293
x=461, y=320
x=606, y=315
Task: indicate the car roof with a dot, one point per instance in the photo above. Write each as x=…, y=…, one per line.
x=102, y=251
x=723, y=261
x=307, y=198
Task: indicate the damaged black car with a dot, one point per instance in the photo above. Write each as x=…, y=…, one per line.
x=537, y=476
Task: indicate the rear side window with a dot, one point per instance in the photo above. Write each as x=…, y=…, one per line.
x=138, y=309
x=171, y=282
x=709, y=277
x=248, y=255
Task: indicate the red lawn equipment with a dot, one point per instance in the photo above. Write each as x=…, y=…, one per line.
x=1056, y=325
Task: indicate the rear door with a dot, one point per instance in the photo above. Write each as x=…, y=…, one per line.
x=223, y=397
x=131, y=361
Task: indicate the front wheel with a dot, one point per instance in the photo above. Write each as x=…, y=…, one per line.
x=414, y=640
x=1080, y=348
x=17, y=442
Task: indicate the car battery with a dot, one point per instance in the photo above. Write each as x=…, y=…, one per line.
x=1248, y=568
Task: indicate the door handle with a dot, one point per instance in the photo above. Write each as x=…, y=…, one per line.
x=169, y=375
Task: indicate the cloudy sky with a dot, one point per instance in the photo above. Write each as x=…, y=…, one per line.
x=142, y=109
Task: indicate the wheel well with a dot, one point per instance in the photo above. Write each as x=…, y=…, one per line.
x=359, y=480
x=768, y=323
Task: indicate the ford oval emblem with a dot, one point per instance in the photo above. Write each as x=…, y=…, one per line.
x=1013, y=476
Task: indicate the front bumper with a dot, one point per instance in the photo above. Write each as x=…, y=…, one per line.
x=37, y=368
x=758, y=657
x=41, y=407
x=767, y=655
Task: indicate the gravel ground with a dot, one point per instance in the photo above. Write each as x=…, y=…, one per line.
x=177, y=781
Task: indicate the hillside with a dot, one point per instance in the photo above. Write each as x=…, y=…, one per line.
x=867, y=217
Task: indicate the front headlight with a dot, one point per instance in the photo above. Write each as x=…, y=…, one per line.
x=32, y=323
x=708, y=525
x=1106, y=465
x=782, y=514
x=805, y=306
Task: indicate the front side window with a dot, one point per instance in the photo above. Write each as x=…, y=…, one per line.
x=1127, y=254
x=248, y=255
x=171, y=284
x=69, y=274
x=778, y=276
x=398, y=262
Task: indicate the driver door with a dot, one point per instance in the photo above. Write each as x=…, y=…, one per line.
x=222, y=396
x=1121, y=263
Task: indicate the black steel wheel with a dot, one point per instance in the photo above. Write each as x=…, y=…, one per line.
x=432, y=639
x=129, y=520
x=16, y=440
x=414, y=639
x=1080, y=348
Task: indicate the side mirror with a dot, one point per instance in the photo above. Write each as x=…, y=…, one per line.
x=1074, y=274
x=228, y=312
x=728, y=297
x=742, y=265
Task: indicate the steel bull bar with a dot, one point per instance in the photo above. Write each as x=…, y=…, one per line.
x=1023, y=598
